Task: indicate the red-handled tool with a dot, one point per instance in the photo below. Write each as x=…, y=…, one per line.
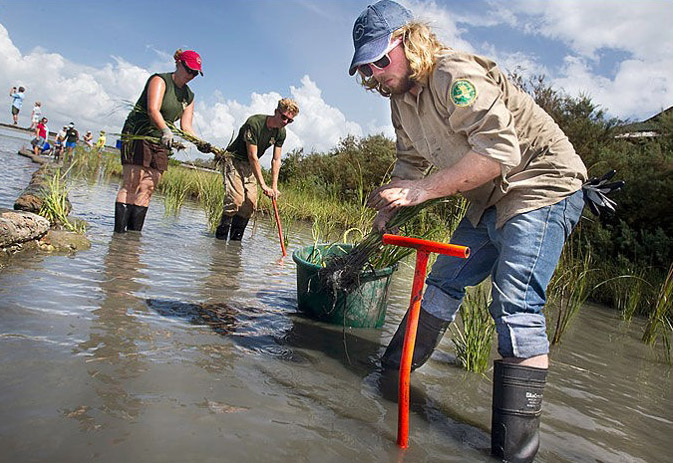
x=280, y=229
x=423, y=250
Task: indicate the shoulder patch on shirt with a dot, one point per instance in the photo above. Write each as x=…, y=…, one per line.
x=463, y=93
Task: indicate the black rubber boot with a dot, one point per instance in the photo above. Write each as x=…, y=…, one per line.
x=137, y=217
x=517, y=405
x=121, y=217
x=238, y=225
x=222, y=230
x=429, y=333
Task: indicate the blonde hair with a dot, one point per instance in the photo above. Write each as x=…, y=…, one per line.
x=288, y=105
x=421, y=48
x=177, y=55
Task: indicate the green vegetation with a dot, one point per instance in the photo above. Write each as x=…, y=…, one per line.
x=55, y=204
x=473, y=341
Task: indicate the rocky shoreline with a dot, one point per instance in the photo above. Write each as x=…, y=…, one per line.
x=23, y=229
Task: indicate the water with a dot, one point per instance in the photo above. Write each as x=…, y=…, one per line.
x=173, y=346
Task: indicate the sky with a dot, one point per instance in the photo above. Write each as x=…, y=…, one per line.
x=87, y=61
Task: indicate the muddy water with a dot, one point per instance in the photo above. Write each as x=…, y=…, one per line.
x=171, y=346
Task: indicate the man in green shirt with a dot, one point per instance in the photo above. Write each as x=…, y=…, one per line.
x=242, y=171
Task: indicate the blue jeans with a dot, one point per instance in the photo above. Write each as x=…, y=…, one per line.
x=520, y=257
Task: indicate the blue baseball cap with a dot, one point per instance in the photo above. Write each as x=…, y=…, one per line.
x=373, y=29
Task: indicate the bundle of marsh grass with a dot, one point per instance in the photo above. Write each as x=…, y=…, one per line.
x=216, y=150
x=342, y=272
x=220, y=153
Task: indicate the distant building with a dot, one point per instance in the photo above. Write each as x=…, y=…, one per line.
x=649, y=128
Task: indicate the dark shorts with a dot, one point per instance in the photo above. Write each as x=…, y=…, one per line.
x=146, y=154
x=15, y=110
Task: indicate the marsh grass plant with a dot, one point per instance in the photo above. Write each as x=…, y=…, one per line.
x=473, y=336
x=55, y=205
x=176, y=185
x=568, y=290
x=660, y=320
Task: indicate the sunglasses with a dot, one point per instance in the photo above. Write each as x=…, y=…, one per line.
x=191, y=71
x=289, y=120
x=381, y=63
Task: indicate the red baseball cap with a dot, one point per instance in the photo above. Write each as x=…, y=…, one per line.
x=192, y=60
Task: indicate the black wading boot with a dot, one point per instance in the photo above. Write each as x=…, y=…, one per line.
x=517, y=405
x=429, y=333
x=137, y=217
x=238, y=225
x=122, y=212
x=222, y=230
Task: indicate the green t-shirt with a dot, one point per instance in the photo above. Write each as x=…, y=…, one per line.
x=175, y=101
x=255, y=132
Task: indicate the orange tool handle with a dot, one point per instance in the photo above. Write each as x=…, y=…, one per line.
x=423, y=250
x=408, y=349
x=280, y=229
x=426, y=245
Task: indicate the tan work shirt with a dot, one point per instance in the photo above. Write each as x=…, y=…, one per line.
x=468, y=103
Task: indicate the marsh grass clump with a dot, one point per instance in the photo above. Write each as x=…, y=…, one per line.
x=474, y=340
x=660, y=320
x=568, y=290
x=342, y=272
x=175, y=184
x=55, y=204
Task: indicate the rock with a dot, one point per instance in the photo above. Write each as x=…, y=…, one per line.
x=32, y=198
x=62, y=240
x=18, y=227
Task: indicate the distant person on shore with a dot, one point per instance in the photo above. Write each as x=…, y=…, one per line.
x=100, y=143
x=165, y=99
x=17, y=102
x=242, y=171
x=71, y=137
x=36, y=116
x=41, y=134
x=88, y=139
x=59, y=142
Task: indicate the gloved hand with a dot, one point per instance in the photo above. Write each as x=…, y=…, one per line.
x=595, y=192
x=204, y=147
x=166, y=137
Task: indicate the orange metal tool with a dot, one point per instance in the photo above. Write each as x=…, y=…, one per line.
x=423, y=250
x=280, y=229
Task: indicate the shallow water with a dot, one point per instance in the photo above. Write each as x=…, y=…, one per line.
x=172, y=346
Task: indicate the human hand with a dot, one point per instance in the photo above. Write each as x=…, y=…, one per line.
x=166, y=137
x=204, y=147
x=396, y=194
x=381, y=221
x=276, y=193
x=267, y=191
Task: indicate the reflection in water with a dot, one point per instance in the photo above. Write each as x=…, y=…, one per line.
x=115, y=335
x=359, y=351
x=225, y=271
x=221, y=318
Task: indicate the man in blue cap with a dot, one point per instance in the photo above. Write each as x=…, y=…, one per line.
x=491, y=142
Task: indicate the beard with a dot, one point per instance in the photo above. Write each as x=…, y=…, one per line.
x=399, y=86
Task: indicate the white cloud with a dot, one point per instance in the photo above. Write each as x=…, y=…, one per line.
x=641, y=28
x=318, y=127
x=442, y=22
x=643, y=82
x=630, y=92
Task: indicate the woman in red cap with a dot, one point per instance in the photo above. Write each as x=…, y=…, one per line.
x=165, y=99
